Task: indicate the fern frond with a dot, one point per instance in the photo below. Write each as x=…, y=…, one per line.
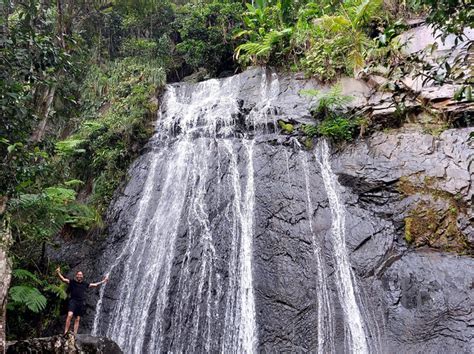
x=69, y=146
x=28, y=296
x=23, y=274
x=60, y=195
x=58, y=290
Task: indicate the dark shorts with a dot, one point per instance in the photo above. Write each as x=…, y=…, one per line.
x=78, y=308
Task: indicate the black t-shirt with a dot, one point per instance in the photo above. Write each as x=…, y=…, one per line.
x=78, y=290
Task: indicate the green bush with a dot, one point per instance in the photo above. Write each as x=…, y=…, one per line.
x=118, y=109
x=330, y=111
x=206, y=33
x=337, y=128
x=34, y=300
x=139, y=47
x=326, y=40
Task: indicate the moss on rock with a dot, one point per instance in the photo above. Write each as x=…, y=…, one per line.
x=433, y=222
x=287, y=128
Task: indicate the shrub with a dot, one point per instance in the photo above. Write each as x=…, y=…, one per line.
x=206, y=34
x=116, y=117
x=139, y=47
x=337, y=128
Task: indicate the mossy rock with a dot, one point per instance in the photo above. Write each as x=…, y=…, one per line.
x=287, y=128
x=435, y=227
x=408, y=228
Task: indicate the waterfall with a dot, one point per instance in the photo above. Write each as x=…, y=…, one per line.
x=325, y=326
x=181, y=290
x=346, y=284
x=183, y=277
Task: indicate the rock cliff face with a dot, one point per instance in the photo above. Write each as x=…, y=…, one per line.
x=371, y=240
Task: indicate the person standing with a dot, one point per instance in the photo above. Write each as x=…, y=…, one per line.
x=77, y=291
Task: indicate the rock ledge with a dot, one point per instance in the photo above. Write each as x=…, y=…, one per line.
x=80, y=344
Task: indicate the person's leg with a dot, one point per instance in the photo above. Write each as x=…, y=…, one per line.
x=76, y=324
x=68, y=321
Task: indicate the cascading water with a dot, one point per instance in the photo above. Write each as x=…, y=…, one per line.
x=325, y=326
x=186, y=268
x=346, y=285
x=213, y=306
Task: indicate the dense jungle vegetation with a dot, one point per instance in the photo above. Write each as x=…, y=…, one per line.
x=79, y=81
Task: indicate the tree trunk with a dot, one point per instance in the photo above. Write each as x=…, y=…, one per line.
x=5, y=271
x=5, y=13
x=60, y=23
x=43, y=110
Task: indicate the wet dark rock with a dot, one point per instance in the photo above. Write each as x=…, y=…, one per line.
x=429, y=303
x=81, y=344
x=426, y=296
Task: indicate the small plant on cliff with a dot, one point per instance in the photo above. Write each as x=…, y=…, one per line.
x=334, y=121
x=337, y=128
x=329, y=102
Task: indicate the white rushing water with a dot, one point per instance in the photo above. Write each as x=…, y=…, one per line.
x=346, y=285
x=325, y=325
x=212, y=308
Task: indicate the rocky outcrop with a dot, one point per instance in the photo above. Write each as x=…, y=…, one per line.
x=430, y=178
x=81, y=344
x=417, y=299
x=405, y=189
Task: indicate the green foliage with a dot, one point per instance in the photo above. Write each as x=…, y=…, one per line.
x=23, y=274
x=27, y=296
x=336, y=42
x=69, y=147
x=36, y=218
x=268, y=36
x=337, y=128
x=33, y=300
x=331, y=100
x=206, y=31
x=116, y=117
x=334, y=121
x=325, y=40
x=310, y=130
x=140, y=47
x=261, y=51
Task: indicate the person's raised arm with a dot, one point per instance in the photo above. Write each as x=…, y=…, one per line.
x=63, y=279
x=103, y=281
